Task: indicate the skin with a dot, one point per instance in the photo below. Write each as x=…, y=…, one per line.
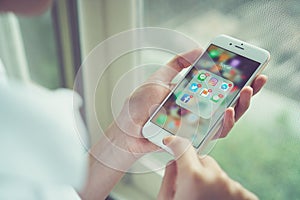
x=123, y=143
x=188, y=177
x=194, y=178
x=26, y=8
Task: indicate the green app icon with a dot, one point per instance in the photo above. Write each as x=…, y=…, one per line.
x=202, y=77
x=214, y=53
x=216, y=98
x=161, y=119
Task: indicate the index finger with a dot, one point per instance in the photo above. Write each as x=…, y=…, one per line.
x=173, y=67
x=184, y=152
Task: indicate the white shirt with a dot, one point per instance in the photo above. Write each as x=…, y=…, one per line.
x=41, y=153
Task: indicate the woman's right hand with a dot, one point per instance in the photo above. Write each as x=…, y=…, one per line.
x=191, y=177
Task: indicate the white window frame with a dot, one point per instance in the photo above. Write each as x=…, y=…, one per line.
x=15, y=62
x=95, y=26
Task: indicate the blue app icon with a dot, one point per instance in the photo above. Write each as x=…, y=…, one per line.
x=194, y=87
x=171, y=125
x=224, y=86
x=186, y=98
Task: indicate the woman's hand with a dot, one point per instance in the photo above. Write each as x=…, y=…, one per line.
x=123, y=142
x=141, y=104
x=191, y=177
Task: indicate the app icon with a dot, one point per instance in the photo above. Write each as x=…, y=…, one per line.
x=225, y=86
x=216, y=97
x=214, y=53
x=186, y=98
x=174, y=111
x=161, y=119
x=194, y=87
x=171, y=125
x=204, y=92
x=213, y=81
x=202, y=76
x=235, y=62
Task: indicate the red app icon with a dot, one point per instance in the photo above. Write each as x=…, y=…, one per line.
x=204, y=92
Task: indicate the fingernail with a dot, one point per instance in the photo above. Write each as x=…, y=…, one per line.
x=167, y=140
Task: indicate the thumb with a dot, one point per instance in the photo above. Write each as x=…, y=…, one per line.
x=184, y=152
x=167, y=188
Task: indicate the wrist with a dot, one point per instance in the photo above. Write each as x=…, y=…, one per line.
x=114, y=149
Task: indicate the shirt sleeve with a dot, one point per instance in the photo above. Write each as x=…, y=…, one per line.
x=41, y=142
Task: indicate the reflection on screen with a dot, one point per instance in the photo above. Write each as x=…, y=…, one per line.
x=201, y=97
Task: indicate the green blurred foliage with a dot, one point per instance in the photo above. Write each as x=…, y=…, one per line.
x=40, y=48
x=264, y=157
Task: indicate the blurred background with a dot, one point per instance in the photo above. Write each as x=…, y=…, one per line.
x=261, y=152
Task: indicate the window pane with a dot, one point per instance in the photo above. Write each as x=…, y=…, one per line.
x=262, y=150
x=40, y=47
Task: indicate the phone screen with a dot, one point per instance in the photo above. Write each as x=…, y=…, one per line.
x=203, y=95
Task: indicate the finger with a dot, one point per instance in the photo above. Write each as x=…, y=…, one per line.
x=210, y=163
x=239, y=192
x=183, y=151
x=258, y=83
x=228, y=123
x=168, y=72
x=184, y=60
x=167, y=188
x=243, y=102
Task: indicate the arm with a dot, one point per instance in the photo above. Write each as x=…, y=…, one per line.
x=124, y=144
x=108, y=164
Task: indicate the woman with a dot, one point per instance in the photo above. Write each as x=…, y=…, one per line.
x=55, y=157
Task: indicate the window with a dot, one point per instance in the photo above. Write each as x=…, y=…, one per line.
x=40, y=48
x=28, y=49
x=260, y=151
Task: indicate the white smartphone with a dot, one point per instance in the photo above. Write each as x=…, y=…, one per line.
x=195, y=107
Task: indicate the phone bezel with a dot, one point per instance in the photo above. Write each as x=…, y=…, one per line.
x=231, y=44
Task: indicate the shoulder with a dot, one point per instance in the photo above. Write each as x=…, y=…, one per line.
x=45, y=131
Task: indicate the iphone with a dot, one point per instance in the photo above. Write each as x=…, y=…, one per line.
x=195, y=107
